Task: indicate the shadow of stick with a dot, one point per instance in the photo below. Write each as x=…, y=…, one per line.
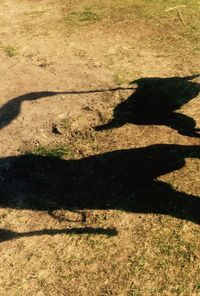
x=6, y=234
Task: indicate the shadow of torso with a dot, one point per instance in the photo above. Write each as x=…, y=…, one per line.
x=154, y=103
x=125, y=179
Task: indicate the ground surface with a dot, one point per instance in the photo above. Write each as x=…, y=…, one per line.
x=134, y=228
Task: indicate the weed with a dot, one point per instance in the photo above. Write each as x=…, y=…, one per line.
x=10, y=51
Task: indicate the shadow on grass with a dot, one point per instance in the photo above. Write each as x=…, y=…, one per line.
x=155, y=102
x=124, y=179
x=6, y=234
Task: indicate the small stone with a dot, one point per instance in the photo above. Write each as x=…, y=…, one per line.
x=97, y=64
x=56, y=129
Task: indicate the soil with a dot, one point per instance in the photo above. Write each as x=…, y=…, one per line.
x=49, y=66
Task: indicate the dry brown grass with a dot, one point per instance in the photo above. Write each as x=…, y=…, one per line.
x=64, y=45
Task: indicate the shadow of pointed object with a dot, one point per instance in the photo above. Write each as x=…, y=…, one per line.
x=11, y=109
x=6, y=234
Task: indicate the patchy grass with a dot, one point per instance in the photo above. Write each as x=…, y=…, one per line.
x=86, y=16
x=118, y=79
x=152, y=254
x=179, y=24
x=59, y=151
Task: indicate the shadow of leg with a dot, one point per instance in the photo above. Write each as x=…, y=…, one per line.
x=161, y=198
x=114, y=123
x=184, y=124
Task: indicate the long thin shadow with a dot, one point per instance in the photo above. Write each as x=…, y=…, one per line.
x=6, y=234
x=155, y=102
x=124, y=179
x=11, y=109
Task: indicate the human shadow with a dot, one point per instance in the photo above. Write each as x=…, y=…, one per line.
x=124, y=179
x=6, y=234
x=155, y=102
x=11, y=109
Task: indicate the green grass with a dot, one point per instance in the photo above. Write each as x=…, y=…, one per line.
x=10, y=51
x=87, y=15
x=59, y=151
x=118, y=79
x=65, y=123
x=198, y=286
x=152, y=254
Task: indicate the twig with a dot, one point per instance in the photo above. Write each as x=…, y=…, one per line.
x=175, y=7
x=181, y=18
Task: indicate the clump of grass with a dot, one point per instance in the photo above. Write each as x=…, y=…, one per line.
x=37, y=12
x=10, y=51
x=84, y=16
x=65, y=123
x=118, y=79
x=198, y=286
x=59, y=151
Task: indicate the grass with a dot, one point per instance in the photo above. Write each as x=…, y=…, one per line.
x=65, y=124
x=59, y=151
x=36, y=12
x=152, y=254
x=198, y=286
x=151, y=11
x=86, y=16
x=10, y=51
x=118, y=79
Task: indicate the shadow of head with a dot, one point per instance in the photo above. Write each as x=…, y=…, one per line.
x=125, y=180
x=10, y=110
x=155, y=101
x=165, y=80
